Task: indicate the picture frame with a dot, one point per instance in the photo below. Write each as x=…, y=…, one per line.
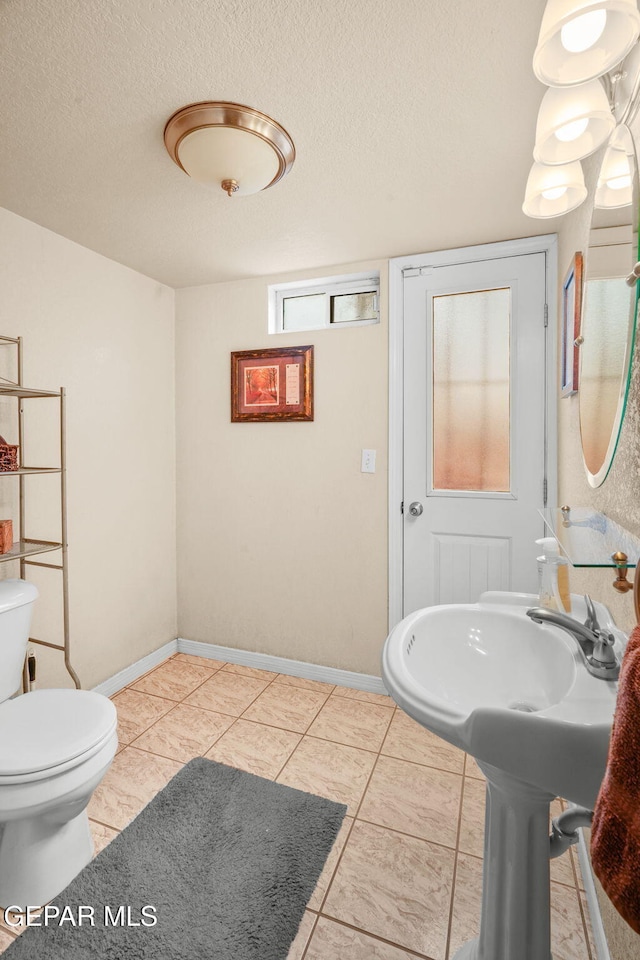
x=272, y=385
x=571, y=317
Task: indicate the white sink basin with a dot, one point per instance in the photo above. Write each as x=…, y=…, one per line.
x=513, y=693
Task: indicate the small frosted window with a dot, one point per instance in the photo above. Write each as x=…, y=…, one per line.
x=347, y=307
x=303, y=313
x=324, y=303
x=471, y=390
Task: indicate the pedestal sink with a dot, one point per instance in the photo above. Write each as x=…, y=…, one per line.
x=517, y=696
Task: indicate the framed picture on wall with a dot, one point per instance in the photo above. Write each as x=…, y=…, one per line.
x=270, y=385
x=571, y=313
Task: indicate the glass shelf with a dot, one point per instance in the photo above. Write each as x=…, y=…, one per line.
x=23, y=471
x=588, y=538
x=15, y=390
x=28, y=548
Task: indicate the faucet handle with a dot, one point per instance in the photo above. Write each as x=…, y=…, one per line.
x=603, y=652
x=592, y=620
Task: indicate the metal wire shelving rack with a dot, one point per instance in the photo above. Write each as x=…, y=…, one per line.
x=26, y=548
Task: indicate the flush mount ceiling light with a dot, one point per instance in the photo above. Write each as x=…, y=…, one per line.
x=553, y=191
x=583, y=39
x=572, y=123
x=230, y=145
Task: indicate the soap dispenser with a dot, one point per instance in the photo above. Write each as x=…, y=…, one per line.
x=551, y=567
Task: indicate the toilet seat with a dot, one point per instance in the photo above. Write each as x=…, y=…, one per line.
x=45, y=732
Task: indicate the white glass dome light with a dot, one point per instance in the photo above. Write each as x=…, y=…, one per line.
x=572, y=123
x=229, y=145
x=554, y=191
x=219, y=154
x=584, y=39
x=615, y=183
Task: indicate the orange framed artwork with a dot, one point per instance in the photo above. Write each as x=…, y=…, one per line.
x=272, y=385
x=571, y=321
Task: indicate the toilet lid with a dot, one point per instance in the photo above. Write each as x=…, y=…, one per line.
x=45, y=728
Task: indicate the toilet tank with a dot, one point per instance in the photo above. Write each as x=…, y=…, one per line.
x=16, y=606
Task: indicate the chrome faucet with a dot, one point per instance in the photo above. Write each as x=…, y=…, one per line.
x=595, y=643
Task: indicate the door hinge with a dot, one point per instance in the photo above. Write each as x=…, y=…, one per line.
x=546, y=314
x=545, y=486
x=402, y=507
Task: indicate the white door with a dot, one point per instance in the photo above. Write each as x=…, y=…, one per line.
x=474, y=428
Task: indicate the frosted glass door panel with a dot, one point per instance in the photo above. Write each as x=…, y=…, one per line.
x=471, y=391
x=474, y=334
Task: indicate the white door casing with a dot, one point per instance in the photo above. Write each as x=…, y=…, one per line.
x=465, y=542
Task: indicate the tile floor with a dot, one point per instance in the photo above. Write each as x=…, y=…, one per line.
x=404, y=877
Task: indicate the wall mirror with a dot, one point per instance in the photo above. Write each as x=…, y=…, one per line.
x=609, y=306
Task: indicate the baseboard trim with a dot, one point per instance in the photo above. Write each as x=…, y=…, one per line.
x=261, y=661
x=293, y=668
x=599, y=936
x=135, y=670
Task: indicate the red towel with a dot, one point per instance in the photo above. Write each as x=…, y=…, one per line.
x=615, y=837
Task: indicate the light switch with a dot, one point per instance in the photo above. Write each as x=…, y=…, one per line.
x=368, y=461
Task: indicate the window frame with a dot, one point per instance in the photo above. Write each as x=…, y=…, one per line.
x=344, y=285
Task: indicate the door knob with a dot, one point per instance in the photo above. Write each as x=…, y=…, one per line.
x=415, y=508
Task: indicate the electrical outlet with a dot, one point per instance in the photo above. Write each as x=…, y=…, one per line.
x=368, y=461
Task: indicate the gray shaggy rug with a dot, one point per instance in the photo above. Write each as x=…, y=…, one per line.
x=224, y=861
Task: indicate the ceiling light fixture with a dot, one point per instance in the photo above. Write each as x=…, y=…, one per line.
x=553, y=191
x=572, y=123
x=580, y=42
x=615, y=183
x=583, y=39
x=228, y=144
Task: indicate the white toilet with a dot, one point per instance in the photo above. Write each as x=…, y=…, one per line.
x=55, y=747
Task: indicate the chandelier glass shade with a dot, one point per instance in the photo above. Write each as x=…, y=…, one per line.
x=554, y=191
x=615, y=183
x=572, y=123
x=583, y=39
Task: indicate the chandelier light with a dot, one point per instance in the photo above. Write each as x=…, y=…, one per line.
x=572, y=123
x=615, y=183
x=583, y=39
x=230, y=145
x=554, y=191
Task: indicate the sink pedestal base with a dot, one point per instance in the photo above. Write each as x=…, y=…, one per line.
x=515, y=922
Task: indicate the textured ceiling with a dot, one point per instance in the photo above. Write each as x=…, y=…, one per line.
x=413, y=122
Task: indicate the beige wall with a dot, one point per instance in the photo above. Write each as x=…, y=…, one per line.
x=618, y=497
x=106, y=334
x=282, y=541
